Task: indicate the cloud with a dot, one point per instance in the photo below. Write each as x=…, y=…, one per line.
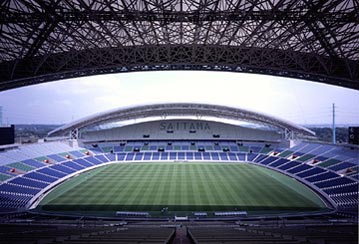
x=65, y=102
x=72, y=99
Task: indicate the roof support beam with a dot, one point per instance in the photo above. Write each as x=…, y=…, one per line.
x=43, y=40
x=179, y=57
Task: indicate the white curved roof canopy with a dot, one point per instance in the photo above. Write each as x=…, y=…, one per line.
x=180, y=109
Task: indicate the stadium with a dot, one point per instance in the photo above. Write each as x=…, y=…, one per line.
x=181, y=172
x=184, y=162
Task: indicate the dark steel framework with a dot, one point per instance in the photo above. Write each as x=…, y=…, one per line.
x=45, y=40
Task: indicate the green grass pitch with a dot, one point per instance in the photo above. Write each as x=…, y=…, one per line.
x=181, y=187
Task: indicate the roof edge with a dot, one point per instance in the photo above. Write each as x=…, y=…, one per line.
x=158, y=109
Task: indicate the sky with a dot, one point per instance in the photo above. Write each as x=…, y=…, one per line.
x=299, y=101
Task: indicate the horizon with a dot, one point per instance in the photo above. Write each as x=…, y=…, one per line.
x=299, y=101
x=305, y=125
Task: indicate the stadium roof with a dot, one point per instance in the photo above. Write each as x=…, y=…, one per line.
x=180, y=109
x=42, y=40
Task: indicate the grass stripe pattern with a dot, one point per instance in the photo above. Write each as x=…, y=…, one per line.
x=181, y=187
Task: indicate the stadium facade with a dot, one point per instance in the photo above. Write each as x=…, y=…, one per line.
x=198, y=111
